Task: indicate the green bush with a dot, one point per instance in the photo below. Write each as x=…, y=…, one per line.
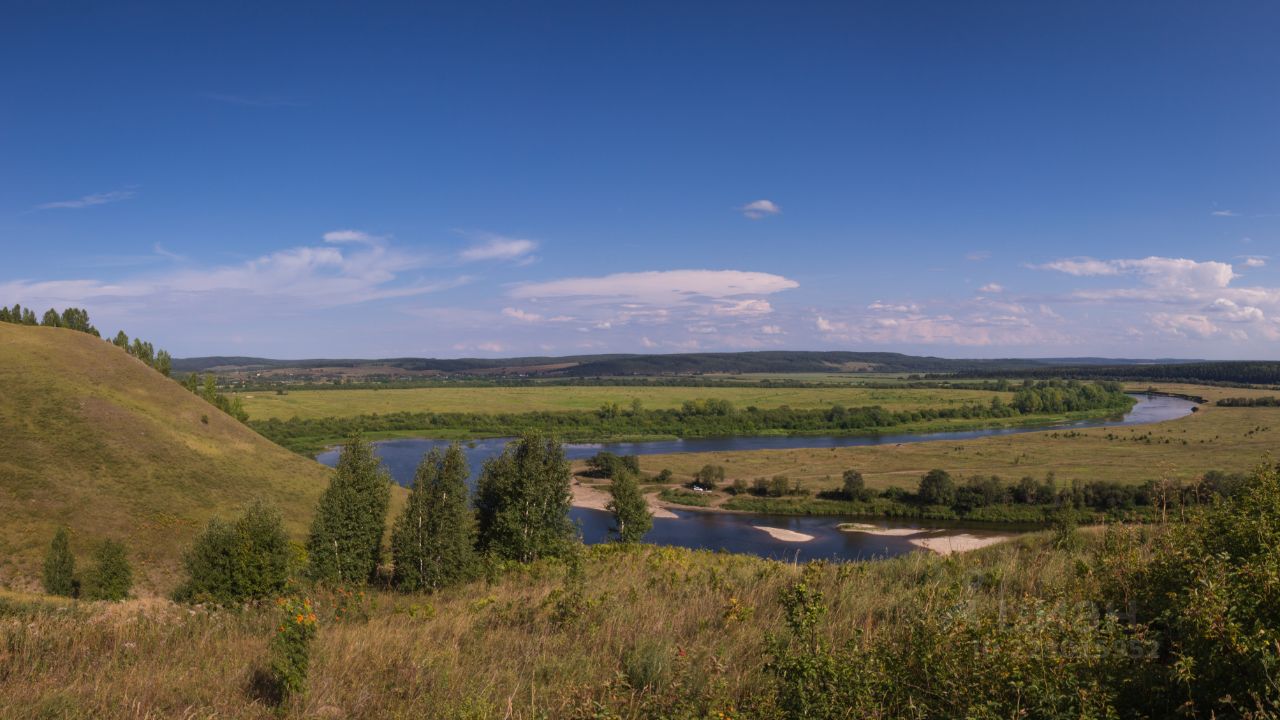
x=1210, y=592
x=231, y=563
x=60, y=566
x=110, y=577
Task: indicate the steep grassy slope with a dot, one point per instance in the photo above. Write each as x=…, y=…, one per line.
x=93, y=439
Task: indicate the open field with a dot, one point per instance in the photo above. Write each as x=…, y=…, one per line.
x=312, y=404
x=1214, y=438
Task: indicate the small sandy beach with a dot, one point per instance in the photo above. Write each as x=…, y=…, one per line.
x=881, y=531
x=784, y=535
x=948, y=544
x=586, y=496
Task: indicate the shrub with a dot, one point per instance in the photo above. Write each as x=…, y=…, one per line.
x=110, y=577
x=60, y=566
x=1210, y=591
x=231, y=563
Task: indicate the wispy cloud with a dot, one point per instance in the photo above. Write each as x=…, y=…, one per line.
x=339, y=237
x=991, y=288
x=89, y=200
x=759, y=209
x=498, y=247
x=667, y=287
x=1225, y=213
x=291, y=280
x=1158, y=271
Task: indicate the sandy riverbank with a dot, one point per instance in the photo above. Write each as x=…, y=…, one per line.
x=784, y=535
x=877, y=530
x=964, y=542
x=586, y=496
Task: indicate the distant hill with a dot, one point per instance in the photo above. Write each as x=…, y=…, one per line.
x=94, y=439
x=778, y=361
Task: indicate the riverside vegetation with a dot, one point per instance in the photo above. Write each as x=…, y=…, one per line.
x=1166, y=620
x=1032, y=402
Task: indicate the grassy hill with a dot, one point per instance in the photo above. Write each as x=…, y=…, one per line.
x=93, y=439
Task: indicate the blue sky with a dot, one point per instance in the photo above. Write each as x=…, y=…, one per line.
x=481, y=179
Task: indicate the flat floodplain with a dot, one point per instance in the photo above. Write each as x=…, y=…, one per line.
x=1213, y=438
x=312, y=404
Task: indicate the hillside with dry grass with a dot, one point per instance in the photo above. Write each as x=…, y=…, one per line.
x=93, y=439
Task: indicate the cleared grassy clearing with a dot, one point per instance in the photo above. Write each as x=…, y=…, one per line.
x=1231, y=439
x=312, y=404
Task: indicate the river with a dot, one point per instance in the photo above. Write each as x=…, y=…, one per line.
x=738, y=532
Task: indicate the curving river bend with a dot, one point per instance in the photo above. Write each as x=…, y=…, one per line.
x=737, y=532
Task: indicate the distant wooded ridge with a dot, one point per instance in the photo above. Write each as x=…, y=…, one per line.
x=782, y=361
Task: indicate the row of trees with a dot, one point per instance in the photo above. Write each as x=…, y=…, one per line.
x=706, y=418
x=518, y=513
x=207, y=389
x=71, y=318
x=77, y=319
x=939, y=488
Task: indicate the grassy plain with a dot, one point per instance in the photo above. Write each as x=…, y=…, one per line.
x=312, y=404
x=1213, y=438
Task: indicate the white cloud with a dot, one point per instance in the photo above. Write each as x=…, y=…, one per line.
x=660, y=287
x=1158, y=271
x=1232, y=312
x=1225, y=213
x=339, y=237
x=1255, y=262
x=496, y=247
x=742, y=308
x=977, y=255
x=760, y=209
x=283, y=281
x=1185, y=324
x=771, y=330
x=89, y=200
x=879, y=306
x=991, y=288
x=522, y=315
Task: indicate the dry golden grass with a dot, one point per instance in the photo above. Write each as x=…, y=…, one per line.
x=691, y=626
x=96, y=440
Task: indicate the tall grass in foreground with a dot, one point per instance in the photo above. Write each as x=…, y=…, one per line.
x=658, y=632
x=1133, y=621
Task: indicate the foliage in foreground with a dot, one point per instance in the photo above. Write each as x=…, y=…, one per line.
x=232, y=563
x=522, y=501
x=345, y=544
x=433, y=541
